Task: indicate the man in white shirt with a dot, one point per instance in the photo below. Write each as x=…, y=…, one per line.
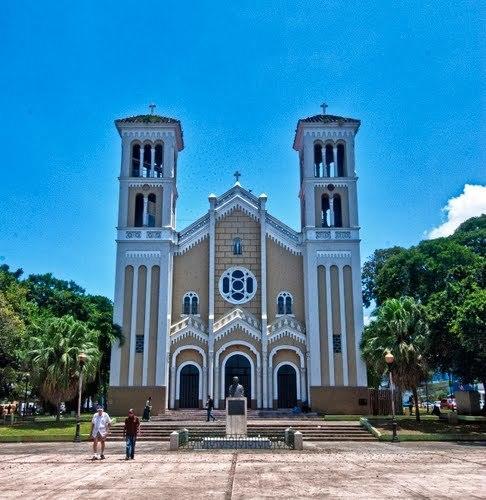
x=100, y=425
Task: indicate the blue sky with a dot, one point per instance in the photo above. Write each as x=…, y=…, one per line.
x=238, y=75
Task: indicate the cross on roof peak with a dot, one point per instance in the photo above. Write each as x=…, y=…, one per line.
x=324, y=106
x=152, y=106
x=237, y=176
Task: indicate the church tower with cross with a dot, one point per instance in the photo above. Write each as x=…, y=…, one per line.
x=238, y=292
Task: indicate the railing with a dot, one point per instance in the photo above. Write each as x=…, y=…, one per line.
x=147, y=171
x=217, y=440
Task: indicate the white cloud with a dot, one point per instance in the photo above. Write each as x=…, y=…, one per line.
x=471, y=203
x=367, y=320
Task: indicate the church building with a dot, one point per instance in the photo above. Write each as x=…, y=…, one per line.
x=238, y=292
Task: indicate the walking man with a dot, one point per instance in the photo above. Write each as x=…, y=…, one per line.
x=130, y=433
x=209, y=408
x=147, y=409
x=100, y=425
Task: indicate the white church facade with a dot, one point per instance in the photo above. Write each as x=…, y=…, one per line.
x=238, y=292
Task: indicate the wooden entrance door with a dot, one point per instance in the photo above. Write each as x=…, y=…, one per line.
x=189, y=387
x=287, y=386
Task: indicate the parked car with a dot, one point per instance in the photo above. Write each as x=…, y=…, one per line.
x=448, y=404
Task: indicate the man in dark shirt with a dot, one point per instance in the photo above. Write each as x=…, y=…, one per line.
x=209, y=408
x=130, y=433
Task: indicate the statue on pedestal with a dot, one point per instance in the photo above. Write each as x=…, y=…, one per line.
x=236, y=389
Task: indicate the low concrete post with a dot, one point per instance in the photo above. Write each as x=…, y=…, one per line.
x=298, y=441
x=174, y=441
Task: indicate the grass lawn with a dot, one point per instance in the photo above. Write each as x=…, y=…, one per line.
x=45, y=429
x=430, y=428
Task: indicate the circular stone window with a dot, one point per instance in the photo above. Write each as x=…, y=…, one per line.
x=237, y=285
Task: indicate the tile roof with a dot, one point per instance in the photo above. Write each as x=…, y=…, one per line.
x=328, y=119
x=148, y=119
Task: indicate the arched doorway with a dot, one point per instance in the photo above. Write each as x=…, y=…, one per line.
x=189, y=387
x=287, y=386
x=238, y=366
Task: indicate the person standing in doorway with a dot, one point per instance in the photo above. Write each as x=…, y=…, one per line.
x=210, y=408
x=100, y=425
x=130, y=433
x=147, y=409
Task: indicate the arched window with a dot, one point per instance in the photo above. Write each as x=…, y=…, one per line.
x=159, y=160
x=147, y=158
x=151, y=210
x=337, y=209
x=138, y=222
x=329, y=160
x=136, y=160
x=190, y=303
x=325, y=211
x=318, y=160
x=237, y=248
x=284, y=303
x=340, y=160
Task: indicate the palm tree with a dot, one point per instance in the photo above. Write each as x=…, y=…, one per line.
x=399, y=327
x=53, y=354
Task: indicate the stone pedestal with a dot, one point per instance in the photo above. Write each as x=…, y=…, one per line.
x=236, y=416
x=468, y=402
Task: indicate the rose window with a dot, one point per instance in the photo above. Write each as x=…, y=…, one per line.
x=237, y=285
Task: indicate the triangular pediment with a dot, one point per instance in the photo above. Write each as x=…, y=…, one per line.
x=237, y=319
x=239, y=198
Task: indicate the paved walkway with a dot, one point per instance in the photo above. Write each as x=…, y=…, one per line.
x=336, y=470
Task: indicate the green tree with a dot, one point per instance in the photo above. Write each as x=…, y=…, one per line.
x=53, y=353
x=371, y=269
x=469, y=329
x=12, y=331
x=399, y=327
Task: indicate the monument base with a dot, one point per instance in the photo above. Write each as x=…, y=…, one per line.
x=236, y=417
x=236, y=442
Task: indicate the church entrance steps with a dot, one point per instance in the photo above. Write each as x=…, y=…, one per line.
x=311, y=430
x=197, y=414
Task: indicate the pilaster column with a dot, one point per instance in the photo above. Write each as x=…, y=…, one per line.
x=334, y=156
x=331, y=210
x=172, y=383
x=330, y=350
x=152, y=162
x=204, y=384
x=212, y=245
x=133, y=326
x=145, y=209
x=308, y=362
x=344, y=345
x=270, y=383
x=146, y=326
x=142, y=152
x=263, y=292
x=303, y=386
x=167, y=196
x=169, y=156
x=164, y=317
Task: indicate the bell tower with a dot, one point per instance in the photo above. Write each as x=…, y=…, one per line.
x=330, y=238
x=145, y=240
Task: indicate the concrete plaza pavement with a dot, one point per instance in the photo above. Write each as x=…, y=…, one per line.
x=338, y=470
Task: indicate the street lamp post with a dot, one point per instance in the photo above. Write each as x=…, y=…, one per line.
x=26, y=380
x=389, y=358
x=81, y=360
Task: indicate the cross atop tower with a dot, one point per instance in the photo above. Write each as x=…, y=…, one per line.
x=324, y=106
x=237, y=176
x=152, y=106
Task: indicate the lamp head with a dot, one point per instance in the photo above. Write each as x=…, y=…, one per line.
x=389, y=358
x=82, y=357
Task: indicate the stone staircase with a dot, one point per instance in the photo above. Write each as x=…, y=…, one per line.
x=190, y=415
x=312, y=430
